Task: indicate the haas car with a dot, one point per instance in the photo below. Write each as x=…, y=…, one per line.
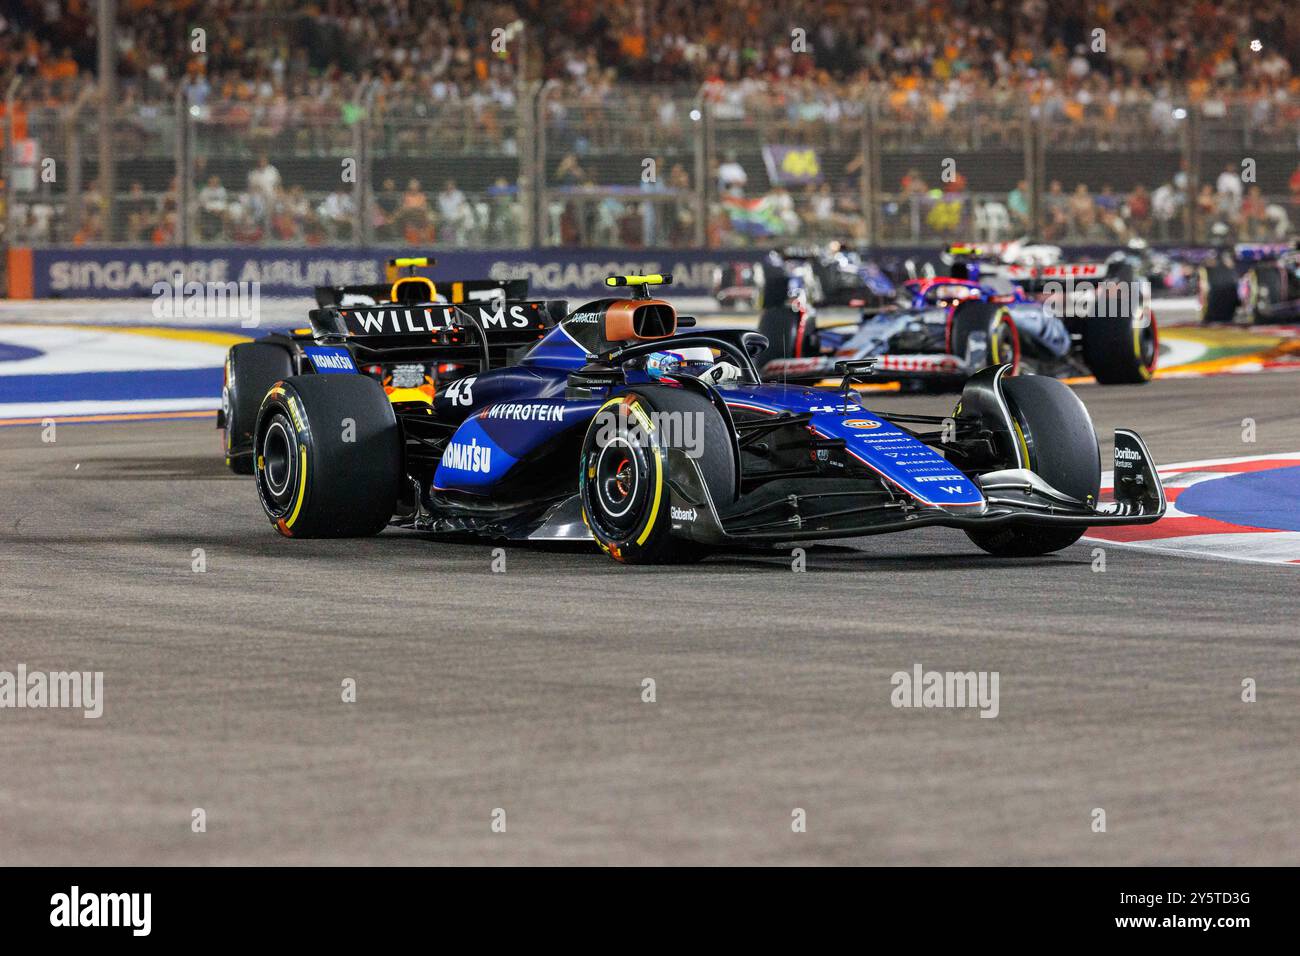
x=1059, y=320
x=624, y=424
x=1254, y=284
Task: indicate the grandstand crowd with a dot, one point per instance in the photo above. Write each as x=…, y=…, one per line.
x=266, y=70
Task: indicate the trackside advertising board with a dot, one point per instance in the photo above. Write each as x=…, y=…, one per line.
x=80, y=273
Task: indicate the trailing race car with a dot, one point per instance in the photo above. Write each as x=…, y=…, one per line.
x=1260, y=283
x=510, y=320
x=828, y=275
x=625, y=425
x=943, y=329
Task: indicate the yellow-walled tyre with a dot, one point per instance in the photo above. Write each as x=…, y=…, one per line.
x=1057, y=442
x=328, y=456
x=625, y=468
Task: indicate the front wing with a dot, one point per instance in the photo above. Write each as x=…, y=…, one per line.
x=844, y=508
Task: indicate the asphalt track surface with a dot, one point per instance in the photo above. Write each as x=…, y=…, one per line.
x=522, y=690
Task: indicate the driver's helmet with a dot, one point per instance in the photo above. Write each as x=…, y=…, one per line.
x=690, y=361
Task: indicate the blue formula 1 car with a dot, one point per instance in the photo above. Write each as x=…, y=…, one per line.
x=624, y=424
x=941, y=329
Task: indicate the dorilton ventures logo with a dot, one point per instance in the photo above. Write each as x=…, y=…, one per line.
x=74, y=908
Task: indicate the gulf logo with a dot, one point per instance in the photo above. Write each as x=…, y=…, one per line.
x=863, y=423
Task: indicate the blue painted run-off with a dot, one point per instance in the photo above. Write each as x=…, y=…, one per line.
x=1256, y=499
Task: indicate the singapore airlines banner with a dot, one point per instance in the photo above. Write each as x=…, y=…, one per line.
x=103, y=272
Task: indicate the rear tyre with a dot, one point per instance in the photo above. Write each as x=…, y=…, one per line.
x=624, y=472
x=1001, y=337
x=328, y=456
x=1217, y=293
x=1059, y=443
x=789, y=334
x=1264, y=284
x=1121, y=349
x=251, y=369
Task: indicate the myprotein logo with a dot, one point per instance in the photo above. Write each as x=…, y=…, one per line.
x=946, y=689
x=123, y=910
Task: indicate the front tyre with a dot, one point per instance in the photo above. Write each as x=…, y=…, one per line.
x=328, y=456
x=625, y=468
x=1057, y=441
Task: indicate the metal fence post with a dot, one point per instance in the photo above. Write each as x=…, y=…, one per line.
x=541, y=221
x=6, y=162
x=867, y=178
x=1191, y=154
x=701, y=170
x=184, y=171
x=528, y=133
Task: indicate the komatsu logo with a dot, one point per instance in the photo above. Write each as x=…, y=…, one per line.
x=471, y=457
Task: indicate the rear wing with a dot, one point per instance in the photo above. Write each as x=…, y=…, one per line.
x=1035, y=278
x=390, y=332
x=454, y=291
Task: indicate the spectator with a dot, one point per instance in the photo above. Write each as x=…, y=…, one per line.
x=263, y=186
x=1253, y=221
x=1138, y=210
x=138, y=214
x=1018, y=206
x=1229, y=189
x=1083, y=213
x=213, y=205
x=337, y=214
x=732, y=178
x=455, y=213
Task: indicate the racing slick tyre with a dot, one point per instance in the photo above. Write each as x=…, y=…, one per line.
x=788, y=334
x=1263, y=289
x=251, y=369
x=1058, y=441
x=328, y=455
x=1217, y=293
x=993, y=320
x=624, y=471
x=1121, y=349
